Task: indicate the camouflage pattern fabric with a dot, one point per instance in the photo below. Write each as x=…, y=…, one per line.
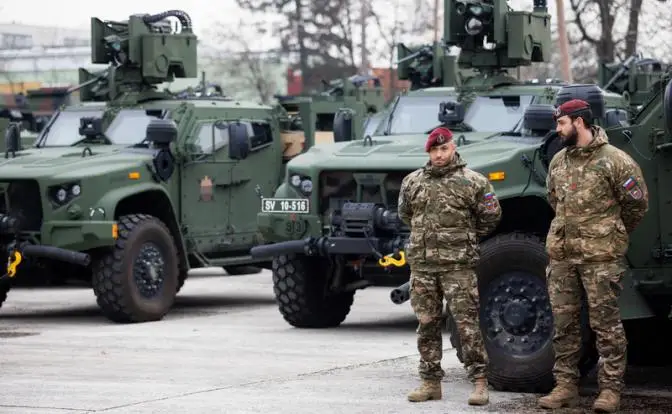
x=599, y=196
x=460, y=289
x=448, y=209
x=602, y=285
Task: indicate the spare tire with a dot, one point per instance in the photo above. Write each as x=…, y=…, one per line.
x=516, y=318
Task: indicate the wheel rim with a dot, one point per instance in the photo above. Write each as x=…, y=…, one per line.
x=516, y=313
x=149, y=269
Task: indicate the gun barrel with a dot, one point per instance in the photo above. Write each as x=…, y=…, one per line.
x=277, y=249
x=401, y=294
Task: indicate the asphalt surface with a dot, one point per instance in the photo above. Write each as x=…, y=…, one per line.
x=225, y=348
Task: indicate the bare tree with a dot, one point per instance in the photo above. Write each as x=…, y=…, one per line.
x=244, y=68
x=611, y=30
x=397, y=27
x=317, y=32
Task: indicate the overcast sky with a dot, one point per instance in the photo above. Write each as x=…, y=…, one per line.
x=77, y=13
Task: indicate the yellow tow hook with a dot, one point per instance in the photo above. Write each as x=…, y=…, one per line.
x=13, y=262
x=389, y=260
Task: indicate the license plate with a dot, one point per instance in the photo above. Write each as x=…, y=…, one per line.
x=285, y=205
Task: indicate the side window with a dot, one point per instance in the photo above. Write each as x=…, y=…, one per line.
x=203, y=141
x=261, y=135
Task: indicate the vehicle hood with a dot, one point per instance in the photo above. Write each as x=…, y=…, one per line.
x=404, y=154
x=71, y=162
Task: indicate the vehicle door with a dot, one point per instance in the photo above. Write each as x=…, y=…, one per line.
x=252, y=177
x=205, y=187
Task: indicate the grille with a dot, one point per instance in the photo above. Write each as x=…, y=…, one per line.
x=339, y=187
x=23, y=202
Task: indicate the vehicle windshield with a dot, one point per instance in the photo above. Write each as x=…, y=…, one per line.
x=413, y=115
x=419, y=114
x=372, y=122
x=496, y=113
x=65, y=128
x=128, y=127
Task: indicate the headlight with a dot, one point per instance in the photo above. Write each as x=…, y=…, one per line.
x=302, y=183
x=306, y=186
x=62, y=194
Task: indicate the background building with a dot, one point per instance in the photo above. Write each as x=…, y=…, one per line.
x=32, y=57
x=41, y=56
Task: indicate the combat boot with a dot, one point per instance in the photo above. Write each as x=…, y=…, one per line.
x=563, y=395
x=479, y=396
x=607, y=402
x=428, y=390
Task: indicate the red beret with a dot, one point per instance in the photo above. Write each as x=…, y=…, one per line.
x=438, y=136
x=570, y=107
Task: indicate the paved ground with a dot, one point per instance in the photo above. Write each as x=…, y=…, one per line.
x=225, y=349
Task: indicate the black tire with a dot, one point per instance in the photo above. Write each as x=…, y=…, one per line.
x=300, y=285
x=5, y=286
x=518, y=262
x=242, y=270
x=114, y=284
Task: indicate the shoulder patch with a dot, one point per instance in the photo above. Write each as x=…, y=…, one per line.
x=632, y=187
x=490, y=201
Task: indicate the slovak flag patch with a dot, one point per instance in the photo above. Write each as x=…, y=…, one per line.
x=632, y=187
x=490, y=201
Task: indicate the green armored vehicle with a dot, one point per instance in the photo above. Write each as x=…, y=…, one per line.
x=489, y=100
x=134, y=186
x=333, y=223
x=348, y=98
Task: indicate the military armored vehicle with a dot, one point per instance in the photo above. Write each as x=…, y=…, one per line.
x=34, y=109
x=133, y=186
x=334, y=222
x=348, y=98
x=631, y=79
x=492, y=100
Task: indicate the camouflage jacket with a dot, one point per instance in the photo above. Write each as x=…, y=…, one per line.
x=448, y=208
x=599, y=196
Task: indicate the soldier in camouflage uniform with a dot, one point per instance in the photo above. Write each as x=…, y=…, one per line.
x=448, y=207
x=599, y=196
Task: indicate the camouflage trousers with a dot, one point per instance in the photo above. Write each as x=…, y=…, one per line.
x=460, y=289
x=602, y=284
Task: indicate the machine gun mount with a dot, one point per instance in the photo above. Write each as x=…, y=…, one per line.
x=142, y=52
x=492, y=38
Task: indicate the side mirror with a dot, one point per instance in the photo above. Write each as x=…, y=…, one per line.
x=343, y=125
x=239, y=141
x=451, y=113
x=615, y=118
x=538, y=119
x=13, y=138
x=161, y=132
x=90, y=126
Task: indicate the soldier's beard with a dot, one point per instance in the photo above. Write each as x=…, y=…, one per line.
x=571, y=139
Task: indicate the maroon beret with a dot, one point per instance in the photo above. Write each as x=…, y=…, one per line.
x=570, y=107
x=438, y=136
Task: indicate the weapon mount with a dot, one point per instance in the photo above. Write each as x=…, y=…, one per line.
x=142, y=52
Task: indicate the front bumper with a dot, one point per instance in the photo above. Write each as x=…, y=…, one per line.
x=79, y=235
x=276, y=227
